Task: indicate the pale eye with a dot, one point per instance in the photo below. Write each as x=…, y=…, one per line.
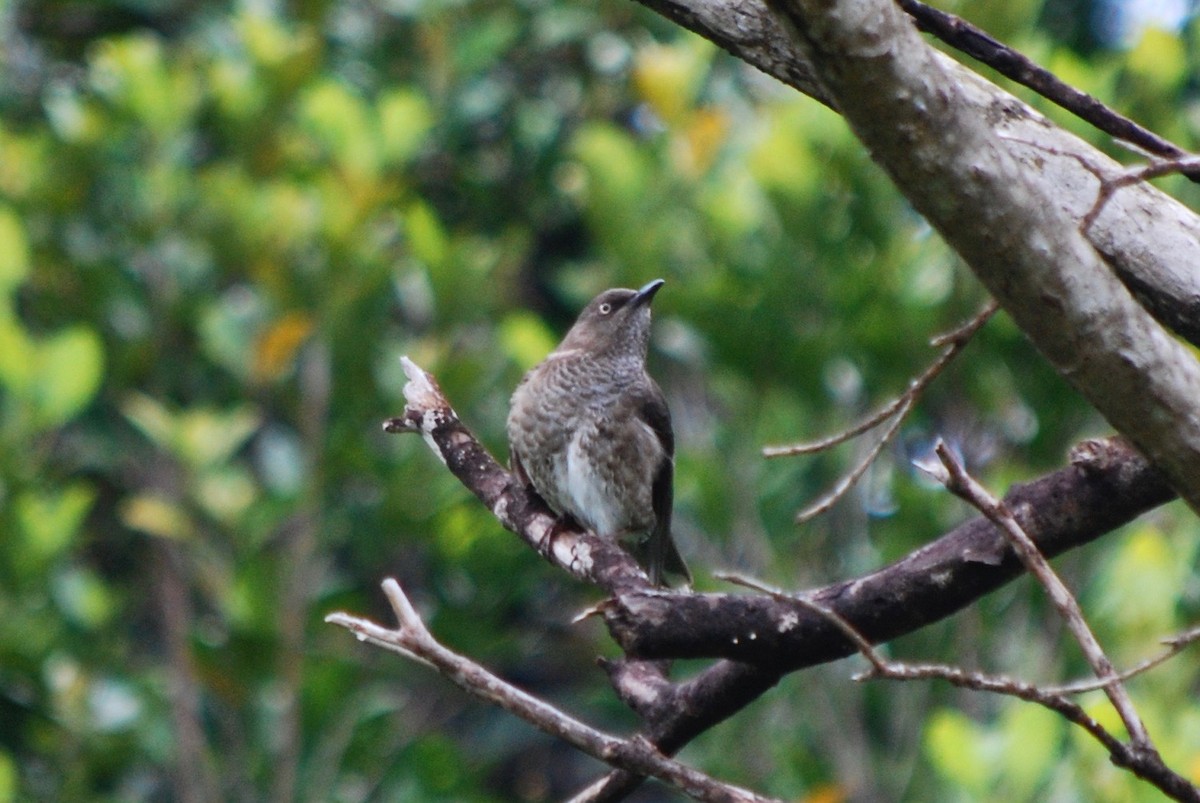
x=605, y=308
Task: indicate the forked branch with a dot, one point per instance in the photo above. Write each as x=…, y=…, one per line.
x=413, y=640
x=893, y=414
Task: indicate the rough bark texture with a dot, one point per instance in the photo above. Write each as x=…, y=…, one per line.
x=948, y=159
x=1107, y=486
x=1152, y=241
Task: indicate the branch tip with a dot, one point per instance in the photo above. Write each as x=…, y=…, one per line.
x=421, y=391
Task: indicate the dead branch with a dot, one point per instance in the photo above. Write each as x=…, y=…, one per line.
x=894, y=413
x=1142, y=759
x=977, y=43
x=413, y=640
x=963, y=485
x=1060, y=511
x=1107, y=484
x=580, y=553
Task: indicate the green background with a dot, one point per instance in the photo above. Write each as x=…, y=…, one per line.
x=221, y=224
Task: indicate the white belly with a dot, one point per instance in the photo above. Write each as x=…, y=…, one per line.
x=590, y=493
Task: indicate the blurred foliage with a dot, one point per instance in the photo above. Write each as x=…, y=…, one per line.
x=222, y=223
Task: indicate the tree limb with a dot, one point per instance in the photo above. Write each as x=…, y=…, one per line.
x=1108, y=484
x=580, y=553
x=1139, y=757
x=966, y=487
x=413, y=640
x=1151, y=240
x=945, y=156
x=978, y=44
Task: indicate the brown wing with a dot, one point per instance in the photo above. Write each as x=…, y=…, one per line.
x=661, y=554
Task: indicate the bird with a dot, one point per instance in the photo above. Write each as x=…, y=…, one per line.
x=590, y=431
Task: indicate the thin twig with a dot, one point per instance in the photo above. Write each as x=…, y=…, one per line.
x=954, y=341
x=1188, y=165
x=963, y=485
x=849, y=480
x=895, y=670
x=1175, y=645
x=412, y=639
x=977, y=43
x=1143, y=760
x=894, y=412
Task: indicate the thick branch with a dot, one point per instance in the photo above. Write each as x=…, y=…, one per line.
x=413, y=640
x=1115, y=484
x=1151, y=240
x=947, y=159
x=1107, y=486
x=717, y=693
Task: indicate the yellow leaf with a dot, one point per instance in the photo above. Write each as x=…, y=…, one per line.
x=155, y=515
x=276, y=349
x=702, y=138
x=1159, y=57
x=829, y=793
x=668, y=77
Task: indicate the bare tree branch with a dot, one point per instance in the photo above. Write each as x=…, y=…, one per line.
x=194, y=779
x=1150, y=240
x=1188, y=165
x=1107, y=484
x=914, y=117
x=977, y=43
x=894, y=412
x=1140, y=757
x=963, y=485
x=413, y=640
x=1175, y=645
x=582, y=554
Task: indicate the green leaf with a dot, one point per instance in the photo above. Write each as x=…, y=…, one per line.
x=49, y=521
x=134, y=74
x=200, y=438
x=478, y=45
x=338, y=120
x=226, y=493
x=1032, y=736
x=955, y=746
x=783, y=160
x=426, y=237
x=617, y=170
x=1140, y=588
x=17, y=363
x=153, y=419
x=208, y=438
x=84, y=597
x=526, y=338
x=1159, y=58
x=14, y=250
x=70, y=366
x=8, y=778
x=404, y=122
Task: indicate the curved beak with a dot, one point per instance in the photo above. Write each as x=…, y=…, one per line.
x=647, y=292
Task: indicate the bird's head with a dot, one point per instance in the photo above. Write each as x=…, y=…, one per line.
x=614, y=323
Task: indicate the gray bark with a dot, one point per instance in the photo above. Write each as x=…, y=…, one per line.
x=1007, y=189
